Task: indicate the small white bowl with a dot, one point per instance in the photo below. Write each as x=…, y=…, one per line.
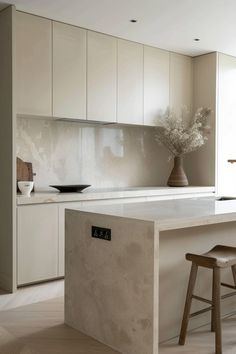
x=25, y=187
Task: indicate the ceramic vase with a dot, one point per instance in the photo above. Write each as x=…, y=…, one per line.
x=178, y=177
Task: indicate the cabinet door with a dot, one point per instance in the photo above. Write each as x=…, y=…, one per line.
x=130, y=82
x=181, y=82
x=69, y=71
x=156, y=84
x=37, y=243
x=61, y=250
x=33, y=65
x=102, y=77
x=226, y=125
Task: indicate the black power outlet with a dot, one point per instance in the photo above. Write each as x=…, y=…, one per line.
x=101, y=232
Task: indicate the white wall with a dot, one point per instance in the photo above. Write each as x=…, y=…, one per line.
x=226, y=128
x=103, y=156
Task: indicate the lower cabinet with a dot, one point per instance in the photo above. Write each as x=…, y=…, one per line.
x=41, y=238
x=41, y=241
x=37, y=243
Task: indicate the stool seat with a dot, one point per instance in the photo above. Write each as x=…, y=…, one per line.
x=219, y=256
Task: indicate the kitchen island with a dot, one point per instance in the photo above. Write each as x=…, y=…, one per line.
x=126, y=274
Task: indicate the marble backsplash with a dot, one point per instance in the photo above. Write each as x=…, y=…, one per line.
x=103, y=156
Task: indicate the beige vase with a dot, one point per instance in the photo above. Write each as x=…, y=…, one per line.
x=178, y=177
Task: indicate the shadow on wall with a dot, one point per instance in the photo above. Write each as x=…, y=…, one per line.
x=103, y=156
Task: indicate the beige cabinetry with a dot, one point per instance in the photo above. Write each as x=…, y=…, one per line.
x=101, y=77
x=37, y=243
x=33, y=65
x=69, y=71
x=156, y=83
x=181, y=82
x=200, y=165
x=41, y=233
x=130, y=83
x=226, y=125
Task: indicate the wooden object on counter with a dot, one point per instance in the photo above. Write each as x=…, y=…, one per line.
x=24, y=171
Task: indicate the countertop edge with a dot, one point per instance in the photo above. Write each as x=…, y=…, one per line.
x=45, y=198
x=171, y=224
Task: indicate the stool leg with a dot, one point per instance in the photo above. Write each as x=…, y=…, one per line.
x=234, y=273
x=212, y=311
x=188, y=302
x=217, y=311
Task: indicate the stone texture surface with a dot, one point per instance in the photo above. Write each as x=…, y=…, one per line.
x=139, y=193
x=109, y=287
x=129, y=293
x=103, y=156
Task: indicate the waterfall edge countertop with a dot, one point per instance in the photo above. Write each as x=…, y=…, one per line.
x=172, y=214
x=113, y=193
x=125, y=269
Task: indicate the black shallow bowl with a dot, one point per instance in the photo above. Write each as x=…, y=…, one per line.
x=71, y=188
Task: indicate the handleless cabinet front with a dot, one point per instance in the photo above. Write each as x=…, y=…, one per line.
x=156, y=84
x=37, y=243
x=69, y=71
x=102, y=77
x=33, y=65
x=181, y=83
x=130, y=82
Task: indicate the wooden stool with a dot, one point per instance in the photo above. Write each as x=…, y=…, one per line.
x=217, y=258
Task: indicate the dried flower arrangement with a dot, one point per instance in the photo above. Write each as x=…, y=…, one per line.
x=179, y=138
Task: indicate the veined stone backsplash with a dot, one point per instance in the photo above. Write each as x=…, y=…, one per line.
x=103, y=156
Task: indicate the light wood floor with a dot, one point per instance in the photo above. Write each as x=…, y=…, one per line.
x=31, y=294
x=38, y=328
x=202, y=341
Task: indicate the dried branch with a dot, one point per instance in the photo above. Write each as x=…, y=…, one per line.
x=180, y=139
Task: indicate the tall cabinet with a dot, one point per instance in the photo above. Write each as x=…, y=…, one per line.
x=7, y=151
x=101, y=77
x=69, y=71
x=33, y=65
x=130, y=82
x=181, y=83
x=200, y=165
x=156, y=83
x=226, y=125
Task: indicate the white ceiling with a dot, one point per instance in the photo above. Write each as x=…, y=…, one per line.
x=168, y=24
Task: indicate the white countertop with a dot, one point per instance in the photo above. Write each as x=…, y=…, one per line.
x=172, y=214
x=111, y=193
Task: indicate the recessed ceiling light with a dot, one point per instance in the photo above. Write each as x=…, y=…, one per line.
x=133, y=21
x=196, y=39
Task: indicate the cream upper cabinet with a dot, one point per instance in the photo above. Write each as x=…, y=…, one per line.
x=101, y=77
x=33, y=65
x=69, y=71
x=130, y=82
x=156, y=84
x=181, y=82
